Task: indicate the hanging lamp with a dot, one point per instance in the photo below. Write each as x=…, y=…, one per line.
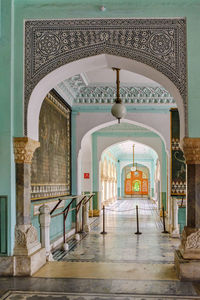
x=118, y=109
x=133, y=168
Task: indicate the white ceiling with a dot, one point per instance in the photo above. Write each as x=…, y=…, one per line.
x=107, y=76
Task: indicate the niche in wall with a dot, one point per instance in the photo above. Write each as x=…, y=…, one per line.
x=51, y=165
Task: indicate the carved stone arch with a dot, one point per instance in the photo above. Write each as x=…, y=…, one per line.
x=158, y=43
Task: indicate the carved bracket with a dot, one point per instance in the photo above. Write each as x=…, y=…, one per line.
x=191, y=149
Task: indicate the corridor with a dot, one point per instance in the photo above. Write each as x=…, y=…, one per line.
x=119, y=265
x=121, y=244
x=121, y=254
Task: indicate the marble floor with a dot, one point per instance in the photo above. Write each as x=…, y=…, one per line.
x=119, y=265
x=121, y=254
x=121, y=244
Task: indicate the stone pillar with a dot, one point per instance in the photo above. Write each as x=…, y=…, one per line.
x=105, y=192
x=91, y=208
x=175, y=233
x=29, y=255
x=187, y=258
x=45, y=220
x=86, y=225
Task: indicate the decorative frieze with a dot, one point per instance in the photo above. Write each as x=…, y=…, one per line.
x=62, y=108
x=40, y=191
x=178, y=187
x=76, y=90
x=24, y=149
x=191, y=149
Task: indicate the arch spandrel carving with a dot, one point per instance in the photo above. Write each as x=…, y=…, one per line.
x=159, y=43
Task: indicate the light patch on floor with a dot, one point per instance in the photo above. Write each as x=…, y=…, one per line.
x=105, y=270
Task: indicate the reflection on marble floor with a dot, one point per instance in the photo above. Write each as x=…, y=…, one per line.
x=121, y=244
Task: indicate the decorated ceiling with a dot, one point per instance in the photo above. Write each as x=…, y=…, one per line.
x=99, y=88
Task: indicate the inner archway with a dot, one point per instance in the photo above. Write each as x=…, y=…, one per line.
x=95, y=63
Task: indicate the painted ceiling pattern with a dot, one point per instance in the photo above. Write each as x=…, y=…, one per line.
x=159, y=43
x=78, y=92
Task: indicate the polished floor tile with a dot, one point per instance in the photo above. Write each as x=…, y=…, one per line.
x=121, y=244
x=69, y=296
x=119, y=265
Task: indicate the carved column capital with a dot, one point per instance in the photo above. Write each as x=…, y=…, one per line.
x=26, y=240
x=191, y=150
x=24, y=149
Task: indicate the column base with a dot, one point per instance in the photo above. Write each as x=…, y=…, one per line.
x=90, y=213
x=22, y=265
x=96, y=213
x=186, y=269
x=87, y=228
x=28, y=265
x=7, y=266
x=26, y=240
x=175, y=234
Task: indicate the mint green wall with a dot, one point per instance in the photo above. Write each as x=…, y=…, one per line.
x=95, y=165
x=182, y=218
x=7, y=170
x=73, y=153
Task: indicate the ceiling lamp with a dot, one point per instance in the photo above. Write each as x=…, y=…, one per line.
x=133, y=168
x=118, y=109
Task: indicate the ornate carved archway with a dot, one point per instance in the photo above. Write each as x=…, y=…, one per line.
x=159, y=43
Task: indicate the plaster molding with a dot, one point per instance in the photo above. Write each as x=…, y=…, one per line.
x=24, y=149
x=76, y=90
x=191, y=149
x=158, y=43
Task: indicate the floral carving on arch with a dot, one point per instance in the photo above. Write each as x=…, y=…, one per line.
x=159, y=43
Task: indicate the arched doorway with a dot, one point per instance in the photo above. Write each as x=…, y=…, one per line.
x=47, y=72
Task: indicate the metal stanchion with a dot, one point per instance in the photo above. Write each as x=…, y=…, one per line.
x=163, y=214
x=104, y=232
x=137, y=216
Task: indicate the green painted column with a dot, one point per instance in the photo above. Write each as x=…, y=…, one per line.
x=7, y=166
x=73, y=154
x=164, y=178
